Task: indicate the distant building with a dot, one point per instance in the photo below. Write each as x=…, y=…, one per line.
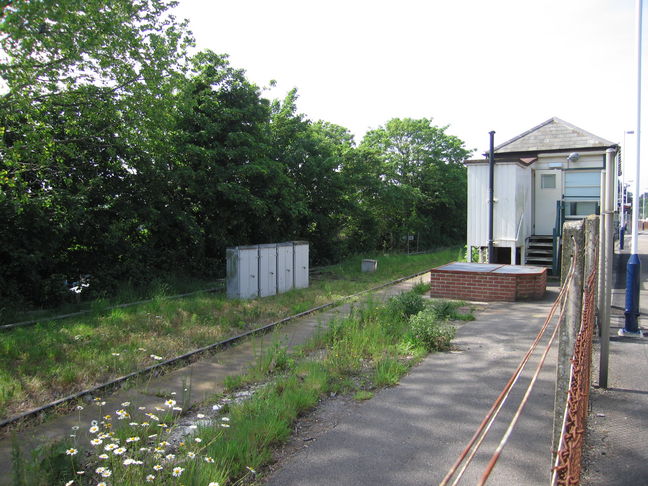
x=544, y=176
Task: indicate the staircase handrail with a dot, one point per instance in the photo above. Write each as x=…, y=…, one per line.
x=557, y=234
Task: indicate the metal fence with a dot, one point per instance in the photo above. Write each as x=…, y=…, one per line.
x=567, y=469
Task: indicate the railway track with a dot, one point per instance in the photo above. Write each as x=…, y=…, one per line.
x=186, y=357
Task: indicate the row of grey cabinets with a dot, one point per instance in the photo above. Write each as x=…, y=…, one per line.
x=263, y=270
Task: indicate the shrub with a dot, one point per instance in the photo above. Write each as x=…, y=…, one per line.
x=443, y=310
x=421, y=288
x=447, y=310
x=407, y=304
x=427, y=331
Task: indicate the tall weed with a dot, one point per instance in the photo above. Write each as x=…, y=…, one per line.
x=427, y=331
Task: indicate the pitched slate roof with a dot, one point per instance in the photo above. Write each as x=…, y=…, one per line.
x=553, y=134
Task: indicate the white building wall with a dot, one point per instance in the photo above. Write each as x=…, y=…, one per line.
x=505, y=194
x=523, y=204
x=512, y=211
x=477, y=230
x=587, y=160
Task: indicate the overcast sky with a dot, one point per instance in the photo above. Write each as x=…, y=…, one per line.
x=475, y=65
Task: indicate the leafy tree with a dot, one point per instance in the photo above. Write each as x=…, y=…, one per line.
x=85, y=102
x=122, y=156
x=228, y=185
x=424, y=179
x=131, y=51
x=313, y=154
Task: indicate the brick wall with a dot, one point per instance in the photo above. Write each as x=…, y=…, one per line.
x=487, y=286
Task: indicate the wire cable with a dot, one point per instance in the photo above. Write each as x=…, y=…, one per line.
x=475, y=442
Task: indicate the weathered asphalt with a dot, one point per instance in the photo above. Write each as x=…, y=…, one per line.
x=411, y=434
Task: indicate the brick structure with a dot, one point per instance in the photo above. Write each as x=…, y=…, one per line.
x=488, y=282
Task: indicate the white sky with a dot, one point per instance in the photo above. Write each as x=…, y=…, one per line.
x=476, y=65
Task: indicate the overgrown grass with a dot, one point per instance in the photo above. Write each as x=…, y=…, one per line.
x=43, y=362
x=371, y=348
x=127, y=292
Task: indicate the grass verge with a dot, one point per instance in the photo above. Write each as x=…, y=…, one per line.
x=41, y=363
x=231, y=442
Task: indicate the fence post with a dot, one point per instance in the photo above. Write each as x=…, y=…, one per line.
x=572, y=245
x=591, y=246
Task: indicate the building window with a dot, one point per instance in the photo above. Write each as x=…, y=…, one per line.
x=580, y=209
x=583, y=184
x=548, y=181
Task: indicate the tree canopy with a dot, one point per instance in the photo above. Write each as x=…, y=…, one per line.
x=126, y=158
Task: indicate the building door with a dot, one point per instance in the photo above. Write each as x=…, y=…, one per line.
x=548, y=190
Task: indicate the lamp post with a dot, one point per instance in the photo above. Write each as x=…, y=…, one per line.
x=633, y=271
x=624, y=188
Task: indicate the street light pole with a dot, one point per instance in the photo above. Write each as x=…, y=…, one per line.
x=633, y=271
x=624, y=199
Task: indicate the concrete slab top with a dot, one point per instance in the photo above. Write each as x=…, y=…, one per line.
x=489, y=268
x=519, y=269
x=469, y=267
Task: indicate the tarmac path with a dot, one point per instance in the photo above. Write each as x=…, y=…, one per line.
x=411, y=434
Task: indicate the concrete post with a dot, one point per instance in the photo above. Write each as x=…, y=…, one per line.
x=608, y=213
x=591, y=245
x=601, y=258
x=573, y=244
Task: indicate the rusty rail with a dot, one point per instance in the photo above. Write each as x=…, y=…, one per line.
x=567, y=469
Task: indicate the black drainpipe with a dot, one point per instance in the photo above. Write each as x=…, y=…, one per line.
x=491, y=195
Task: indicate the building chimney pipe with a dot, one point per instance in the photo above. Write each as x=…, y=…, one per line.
x=491, y=196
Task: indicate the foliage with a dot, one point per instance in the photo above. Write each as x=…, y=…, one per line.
x=388, y=371
x=424, y=181
x=230, y=448
x=53, y=359
x=362, y=395
x=443, y=310
x=449, y=310
x=85, y=111
x=421, y=288
x=407, y=304
x=126, y=159
x=430, y=332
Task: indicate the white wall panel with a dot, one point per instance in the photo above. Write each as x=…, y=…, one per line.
x=478, y=205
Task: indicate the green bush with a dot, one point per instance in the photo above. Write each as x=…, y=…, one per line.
x=407, y=304
x=421, y=288
x=427, y=331
x=443, y=310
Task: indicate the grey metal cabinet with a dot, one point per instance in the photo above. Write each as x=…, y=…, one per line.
x=264, y=270
x=242, y=272
x=267, y=270
x=284, y=267
x=300, y=264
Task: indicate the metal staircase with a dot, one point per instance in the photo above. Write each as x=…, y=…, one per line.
x=539, y=251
